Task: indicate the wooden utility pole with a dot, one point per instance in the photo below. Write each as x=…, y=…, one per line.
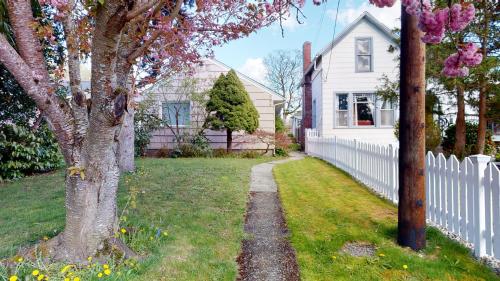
x=411, y=210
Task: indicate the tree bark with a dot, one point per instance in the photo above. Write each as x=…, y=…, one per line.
x=459, y=147
x=229, y=139
x=411, y=209
x=481, y=129
x=126, y=147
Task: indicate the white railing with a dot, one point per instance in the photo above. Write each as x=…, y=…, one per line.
x=463, y=198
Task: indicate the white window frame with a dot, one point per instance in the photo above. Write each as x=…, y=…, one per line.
x=350, y=106
x=337, y=110
x=357, y=55
x=163, y=103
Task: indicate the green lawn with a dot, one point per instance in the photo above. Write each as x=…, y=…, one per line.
x=325, y=208
x=199, y=202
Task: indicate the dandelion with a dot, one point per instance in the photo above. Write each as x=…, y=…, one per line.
x=64, y=269
x=99, y=275
x=89, y=259
x=76, y=279
x=105, y=266
x=67, y=279
x=334, y=257
x=45, y=238
x=165, y=233
x=20, y=259
x=405, y=266
x=35, y=272
x=40, y=277
x=13, y=278
x=381, y=255
x=107, y=271
x=123, y=230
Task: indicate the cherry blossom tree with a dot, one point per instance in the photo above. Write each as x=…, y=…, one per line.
x=118, y=36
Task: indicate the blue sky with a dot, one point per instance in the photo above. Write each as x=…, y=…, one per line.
x=246, y=54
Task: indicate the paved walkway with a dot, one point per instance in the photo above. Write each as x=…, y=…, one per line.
x=267, y=254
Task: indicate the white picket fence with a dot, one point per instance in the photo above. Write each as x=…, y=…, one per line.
x=463, y=198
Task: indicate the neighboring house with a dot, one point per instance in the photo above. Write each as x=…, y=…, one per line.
x=340, y=82
x=295, y=121
x=191, y=116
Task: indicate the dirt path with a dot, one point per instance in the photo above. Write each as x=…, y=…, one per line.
x=267, y=254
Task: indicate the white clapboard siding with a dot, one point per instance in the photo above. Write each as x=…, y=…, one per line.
x=462, y=198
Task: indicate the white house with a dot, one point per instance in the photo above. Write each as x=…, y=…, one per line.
x=340, y=82
x=191, y=115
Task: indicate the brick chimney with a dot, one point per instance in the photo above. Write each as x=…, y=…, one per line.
x=306, y=93
x=306, y=55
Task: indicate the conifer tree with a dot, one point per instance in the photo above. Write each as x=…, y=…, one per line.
x=230, y=107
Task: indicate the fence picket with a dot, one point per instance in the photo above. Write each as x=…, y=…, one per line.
x=495, y=195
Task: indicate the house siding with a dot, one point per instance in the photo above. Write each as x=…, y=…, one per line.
x=341, y=77
x=208, y=73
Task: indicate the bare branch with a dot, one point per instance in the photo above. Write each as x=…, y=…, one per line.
x=142, y=8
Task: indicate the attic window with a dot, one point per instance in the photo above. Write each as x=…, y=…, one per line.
x=364, y=55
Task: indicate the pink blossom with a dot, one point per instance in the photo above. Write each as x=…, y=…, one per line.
x=469, y=55
x=383, y=3
x=461, y=16
x=433, y=24
x=453, y=67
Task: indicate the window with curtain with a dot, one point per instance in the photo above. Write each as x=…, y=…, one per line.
x=176, y=113
x=364, y=55
x=342, y=113
x=363, y=109
x=386, y=113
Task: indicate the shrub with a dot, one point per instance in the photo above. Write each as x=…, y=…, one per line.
x=470, y=139
x=432, y=133
x=282, y=144
x=250, y=154
x=145, y=122
x=279, y=125
x=294, y=147
x=23, y=152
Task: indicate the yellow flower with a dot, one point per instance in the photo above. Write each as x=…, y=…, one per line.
x=107, y=271
x=40, y=277
x=123, y=230
x=20, y=259
x=76, y=279
x=46, y=278
x=99, y=275
x=334, y=257
x=151, y=238
x=89, y=259
x=105, y=266
x=381, y=255
x=13, y=278
x=45, y=238
x=165, y=233
x=405, y=266
x=64, y=269
x=35, y=272
x=66, y=279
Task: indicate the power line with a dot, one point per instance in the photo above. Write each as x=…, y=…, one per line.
x=320, y=23
x=333, y=38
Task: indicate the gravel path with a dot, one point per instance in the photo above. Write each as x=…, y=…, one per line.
x=267, y=254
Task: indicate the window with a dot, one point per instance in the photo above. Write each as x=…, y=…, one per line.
x=364, y=56
x=176, y=113
x=364, y=110
x=342, y=110
x=386, y=114
x=314, y=114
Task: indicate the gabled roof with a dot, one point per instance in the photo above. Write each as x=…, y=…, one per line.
x=276, y=96
x=364, y=16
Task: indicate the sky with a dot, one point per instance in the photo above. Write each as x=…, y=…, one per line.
x=247, y=54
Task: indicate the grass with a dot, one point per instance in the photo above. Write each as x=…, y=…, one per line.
x=200, y=203
x=325, y=208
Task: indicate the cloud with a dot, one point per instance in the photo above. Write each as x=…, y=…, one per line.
x=291, y=23
x=388, y=16
x=254, y=68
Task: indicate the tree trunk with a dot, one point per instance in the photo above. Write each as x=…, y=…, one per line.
x=126, y=143
x=481, y=129
x=229, y=140
x=411, y=209
x=459, y=148
x=91, y=208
